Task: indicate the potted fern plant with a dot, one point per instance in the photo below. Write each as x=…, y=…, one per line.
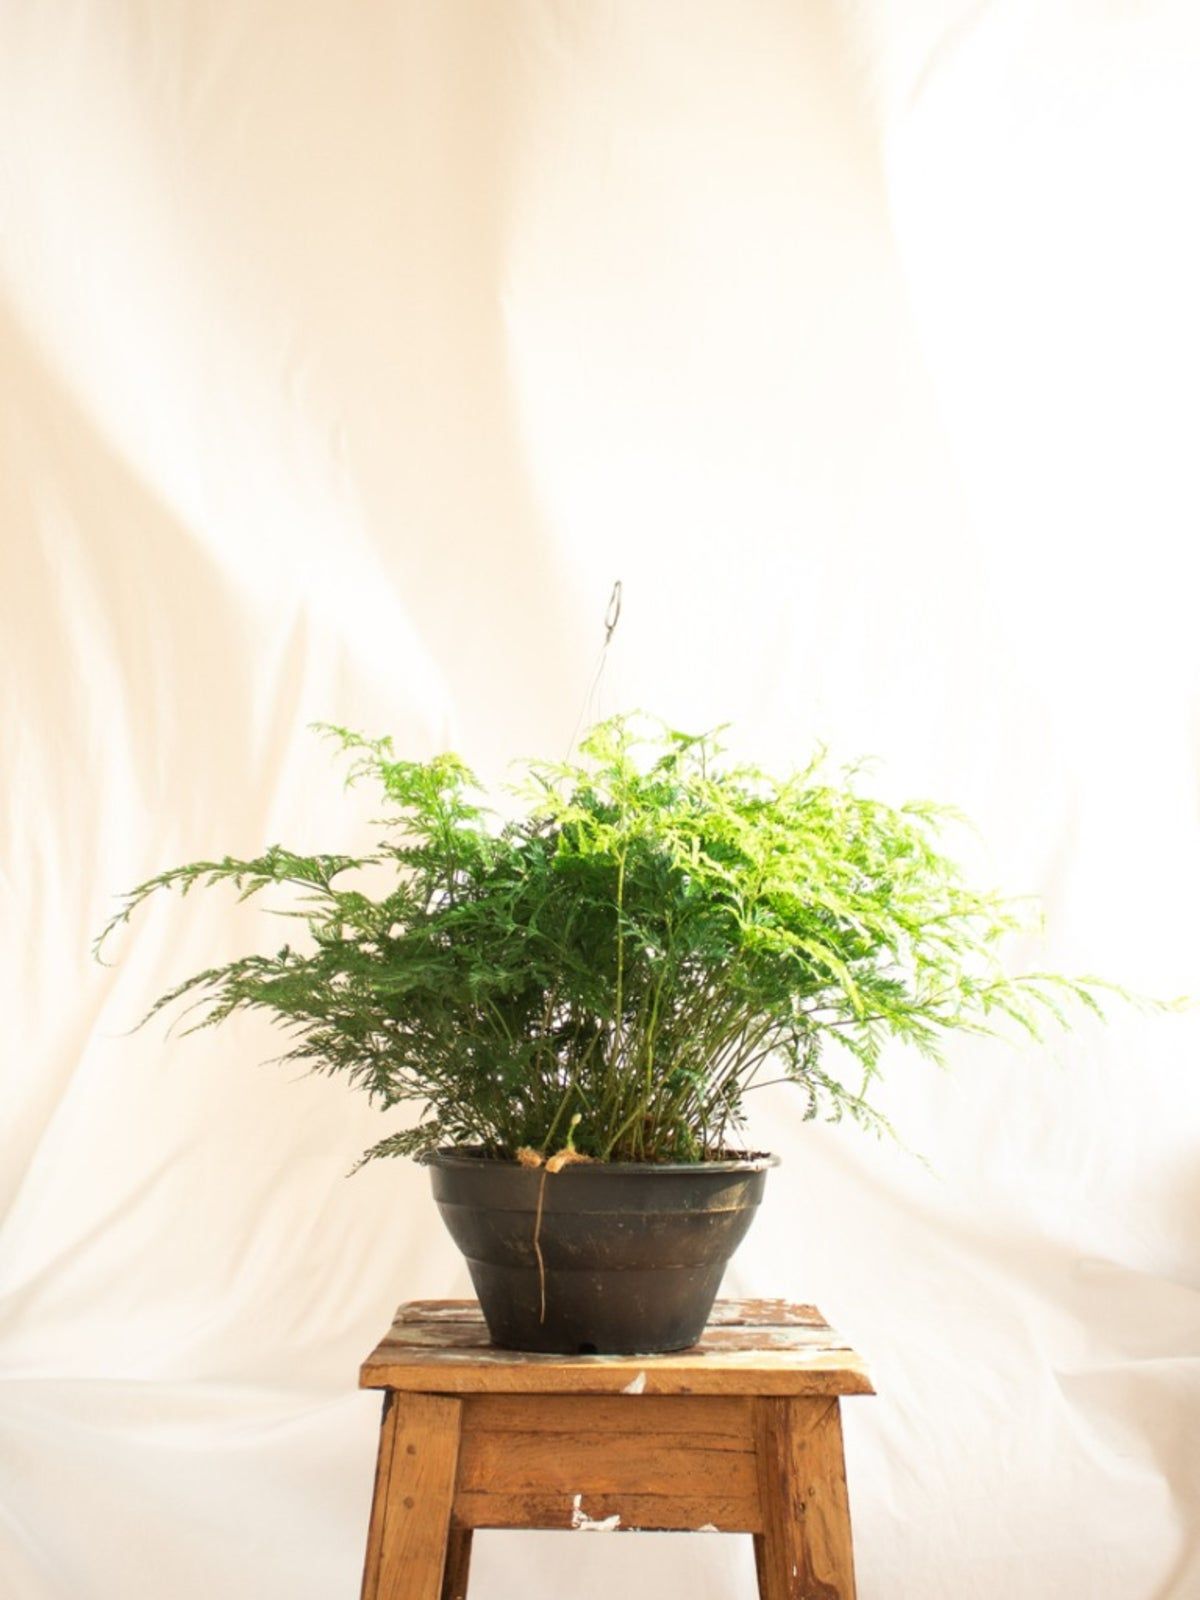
x=577, y=1001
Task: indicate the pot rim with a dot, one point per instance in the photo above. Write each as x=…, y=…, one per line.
x=469, y=1157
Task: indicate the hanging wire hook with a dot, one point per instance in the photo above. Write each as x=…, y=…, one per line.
x=612, y=616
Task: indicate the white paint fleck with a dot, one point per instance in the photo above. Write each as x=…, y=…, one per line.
x=635, y=1385
x=582, y=1523
x=707, y=1527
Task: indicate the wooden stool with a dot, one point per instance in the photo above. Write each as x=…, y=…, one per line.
x=740, y=1434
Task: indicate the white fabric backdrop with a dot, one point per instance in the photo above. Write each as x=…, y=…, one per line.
x=349, y=353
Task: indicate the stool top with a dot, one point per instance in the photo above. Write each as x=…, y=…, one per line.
x=750, y=1347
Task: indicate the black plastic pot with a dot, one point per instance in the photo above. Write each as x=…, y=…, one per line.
x=632, y=1255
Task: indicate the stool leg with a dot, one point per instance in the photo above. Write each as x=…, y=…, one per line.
x=414, y=1491
x=458, y=1564
x=804, y=1551
x=760, y=1565
x=383, y=1471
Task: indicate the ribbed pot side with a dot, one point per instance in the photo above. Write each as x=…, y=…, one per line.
x=632, y=1255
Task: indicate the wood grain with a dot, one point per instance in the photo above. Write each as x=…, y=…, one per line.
x=740, y=1434
x=418, y=1498
x=383, y=1472
x=633, y=1463
x=725, y=1313
x=405, y=1338
x=722, y=1420
x=750, y=1347
x=679, y=1513
x=771, y=1373
x=458, y=1564
x=804, y=1551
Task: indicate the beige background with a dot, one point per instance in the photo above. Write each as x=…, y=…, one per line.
x=349, y=353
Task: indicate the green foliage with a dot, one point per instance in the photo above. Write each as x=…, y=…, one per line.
x=657, y=933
